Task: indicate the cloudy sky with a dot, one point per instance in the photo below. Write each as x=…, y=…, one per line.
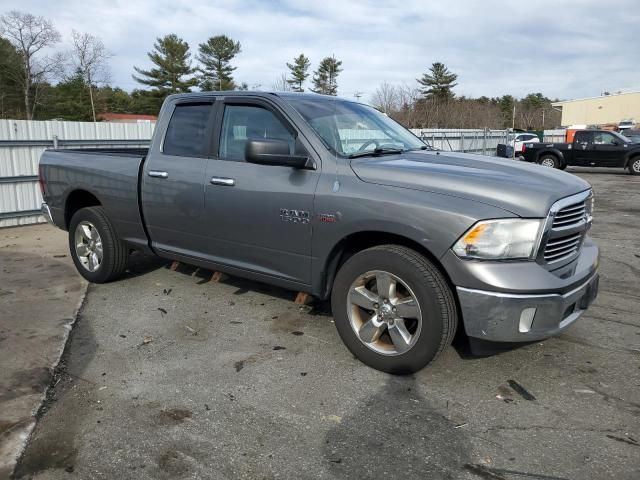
x=564, y=49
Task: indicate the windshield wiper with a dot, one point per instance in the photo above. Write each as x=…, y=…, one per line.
x=377, y=151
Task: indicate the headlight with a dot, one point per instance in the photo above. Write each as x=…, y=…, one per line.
x=505, y=239
x=589, y=206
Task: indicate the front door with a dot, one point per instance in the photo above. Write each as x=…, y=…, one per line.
x=608, y=150
x=173, y=178
x=581, y=148
x=258, y=217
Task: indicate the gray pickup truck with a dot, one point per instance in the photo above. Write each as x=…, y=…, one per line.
x=330, y=197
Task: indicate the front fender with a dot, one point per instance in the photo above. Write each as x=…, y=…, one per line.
x=630, y=155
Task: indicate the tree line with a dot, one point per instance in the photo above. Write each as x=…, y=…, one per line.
x=432, y=103
x=74, y=83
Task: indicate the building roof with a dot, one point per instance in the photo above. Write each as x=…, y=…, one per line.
x=559, y=104
x=126, y=116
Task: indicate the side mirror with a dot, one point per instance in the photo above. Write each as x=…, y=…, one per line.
x=274, y=152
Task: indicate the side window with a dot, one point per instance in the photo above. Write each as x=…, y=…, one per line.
x=187, y=131
x=582, y=137
x=243, y=122
x=602, y=138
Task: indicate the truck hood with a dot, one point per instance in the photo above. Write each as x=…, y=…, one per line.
x=524, y=189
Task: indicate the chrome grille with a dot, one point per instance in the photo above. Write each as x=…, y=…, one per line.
x=562, y=247
x=566, y=228
x=570, y=216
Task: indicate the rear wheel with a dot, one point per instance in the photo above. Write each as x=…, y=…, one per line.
x=634, y=166
x=97, y=252
x=550, y=161
x=393, y=309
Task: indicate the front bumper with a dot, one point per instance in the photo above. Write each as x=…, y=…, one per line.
x=506, y=317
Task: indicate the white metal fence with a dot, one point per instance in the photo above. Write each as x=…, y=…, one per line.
x=481, y=141
x=21, y=144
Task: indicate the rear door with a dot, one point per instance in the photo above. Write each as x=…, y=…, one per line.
x=608, y=150
x=258, y=217
x=173, y=177
x=582, y=146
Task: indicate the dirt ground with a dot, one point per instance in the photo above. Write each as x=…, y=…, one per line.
x=168, y=376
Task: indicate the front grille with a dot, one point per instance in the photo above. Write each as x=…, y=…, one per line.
x=562, y=247
x=569, y=221
x=569, y=216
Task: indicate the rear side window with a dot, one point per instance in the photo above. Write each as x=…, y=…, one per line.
x=583, y=137
x=187, y=132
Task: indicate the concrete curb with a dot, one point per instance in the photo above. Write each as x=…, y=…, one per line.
x=17, y=439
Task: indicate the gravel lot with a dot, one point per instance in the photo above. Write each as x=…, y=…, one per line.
x=169, y=376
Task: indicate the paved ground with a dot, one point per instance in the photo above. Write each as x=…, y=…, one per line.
x=167, y=376
x=40, y=292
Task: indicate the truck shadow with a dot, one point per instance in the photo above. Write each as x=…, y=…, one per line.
x=140, y=263
x=402, y=427
x=314, y=307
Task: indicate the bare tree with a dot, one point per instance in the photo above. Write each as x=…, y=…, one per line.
x=385, y=98
x=30, y=35
x=89, y=57
x=282, y=84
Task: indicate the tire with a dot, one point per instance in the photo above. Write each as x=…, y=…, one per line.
x=634, y=166
x=420, y=290
x=84, y=225
x=549, y=161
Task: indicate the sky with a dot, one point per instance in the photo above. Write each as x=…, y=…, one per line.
x=564, y=49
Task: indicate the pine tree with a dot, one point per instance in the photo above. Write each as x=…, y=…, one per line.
x=325, y=77
x=173, y=68
x=299, y=69
x=215, y=56
x=439, y=83
x=11, y=95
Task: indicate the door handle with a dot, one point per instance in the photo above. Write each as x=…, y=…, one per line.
x=227, y=182
x=158, y=174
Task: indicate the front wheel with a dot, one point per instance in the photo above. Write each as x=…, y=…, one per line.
x=393, y=309
x=97, y=252
x=634, y=166
x=550, y=161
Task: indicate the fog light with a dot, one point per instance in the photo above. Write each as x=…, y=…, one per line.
x=526, y=319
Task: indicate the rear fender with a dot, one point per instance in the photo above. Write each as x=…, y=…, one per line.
x=550, y=151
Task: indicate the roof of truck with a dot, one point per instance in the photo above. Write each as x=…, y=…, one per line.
x=261, y=93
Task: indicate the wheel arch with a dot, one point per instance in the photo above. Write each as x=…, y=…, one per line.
x=551, y=151
x=357, y=241
x=630, y=157
x=76, y=200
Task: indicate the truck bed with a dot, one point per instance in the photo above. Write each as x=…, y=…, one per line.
x=110, y=174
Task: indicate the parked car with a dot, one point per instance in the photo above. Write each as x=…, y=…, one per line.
x=626, y=125
x=633, y=135
x=519, y=139
x=590, y=148
x=409, y=244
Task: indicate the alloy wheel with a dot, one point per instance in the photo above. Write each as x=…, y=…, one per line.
x=88, y=246
x=548, y=162
x=384, y=313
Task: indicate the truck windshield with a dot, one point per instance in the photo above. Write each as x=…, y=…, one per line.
x=350, y=128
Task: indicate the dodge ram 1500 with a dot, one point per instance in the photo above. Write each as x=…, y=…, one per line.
x=333, y=198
